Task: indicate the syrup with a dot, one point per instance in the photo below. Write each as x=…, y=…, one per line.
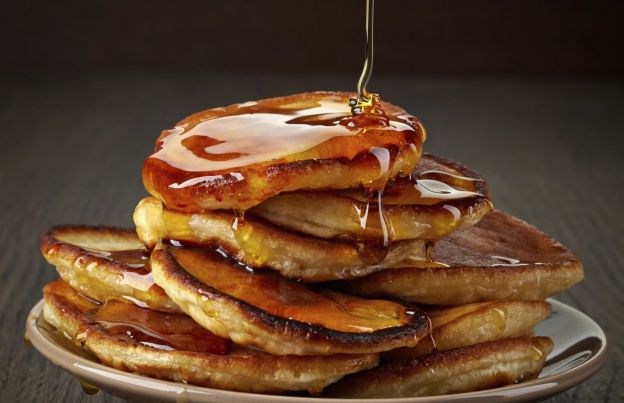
x=88, y=388
x=62, y=339
x=374, y=251
x=425, y=191
x=505, y=261
x=137, y=273
x=422, y=189
x=134, y=258
x=227, y=153
x=27, y=341
x=319, y=127
x=228, y=157
x=365, y=102
x=290, y=299
x=164, y=331
x=417, y=189
x=127, y=322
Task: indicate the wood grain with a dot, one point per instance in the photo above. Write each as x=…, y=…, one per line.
x=72, y=149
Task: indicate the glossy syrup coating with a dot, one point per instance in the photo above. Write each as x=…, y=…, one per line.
x=133, y=324
x=438, y=197
x=290, y=299
x=240, y=155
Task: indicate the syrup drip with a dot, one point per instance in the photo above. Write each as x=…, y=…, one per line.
x=429, y=245
x=62, y=339
x=499, y=319
x=372, y=252
x=424, y=313
x=88, y=388
x=27, y=341
x=243, y=233
x=434, y=346
x=427, y=188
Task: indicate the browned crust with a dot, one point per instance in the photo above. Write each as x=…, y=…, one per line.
x=380, y=340
x=241, y=369
x=379, y=381
x=58, y=252
x=68, y=257
x=519, y=319
x=282, y=175
x=552, y=269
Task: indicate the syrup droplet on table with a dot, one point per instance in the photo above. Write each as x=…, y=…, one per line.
x=27, y=341
x=88, y=388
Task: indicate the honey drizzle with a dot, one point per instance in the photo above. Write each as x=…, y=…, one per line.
x=366, y=102
x=367, y=69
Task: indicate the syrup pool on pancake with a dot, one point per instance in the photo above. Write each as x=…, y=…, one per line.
x=243, y=154
x=257, y=132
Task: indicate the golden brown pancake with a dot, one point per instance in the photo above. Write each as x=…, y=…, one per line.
x=240, y=155
x=173, y=347
x=260, y=244
x=465, y=325
x=277, y=315
x=501, y=257
x=104, y=263
x=438, y=197
x=480, y=366
x=452, y=326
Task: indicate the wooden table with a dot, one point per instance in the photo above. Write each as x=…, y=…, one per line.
x=72, y=149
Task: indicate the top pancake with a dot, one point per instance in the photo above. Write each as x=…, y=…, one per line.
x=243, y=154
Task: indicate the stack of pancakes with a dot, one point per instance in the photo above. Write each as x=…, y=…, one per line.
x=291, y=245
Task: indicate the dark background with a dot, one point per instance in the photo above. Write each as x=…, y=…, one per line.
x=463, y=37
x=529, y=93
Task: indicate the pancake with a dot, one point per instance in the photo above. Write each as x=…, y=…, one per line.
x=452, y=326
x=500, y=258
x=465, y=325
x=277, y=315
x=243, y=154
x=173, y=347
x=104, y=263
x=466, y=369
x=438, y=197
x=259, y=244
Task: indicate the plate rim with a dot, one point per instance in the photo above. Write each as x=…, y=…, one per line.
x=94, y=372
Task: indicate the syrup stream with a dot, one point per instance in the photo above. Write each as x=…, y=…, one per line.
x=367, y=69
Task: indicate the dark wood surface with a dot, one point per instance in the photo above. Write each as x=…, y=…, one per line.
x=72, y=149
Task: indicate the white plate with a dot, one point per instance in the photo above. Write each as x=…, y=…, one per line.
x=580, y=350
